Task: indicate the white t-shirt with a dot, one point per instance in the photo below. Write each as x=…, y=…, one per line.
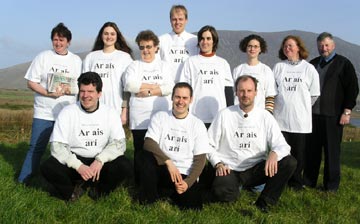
x=47, y=62
x=296, y=85
x=266, y=82
x=241, y=142
x=87, y=134
x=208, y=77
x=155, y=72
x=110, y=67
x=175, y=49
x=179, y=139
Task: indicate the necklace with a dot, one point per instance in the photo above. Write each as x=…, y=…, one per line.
x=294, y=62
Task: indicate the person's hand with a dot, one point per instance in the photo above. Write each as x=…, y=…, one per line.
x=181, y=187
x=222, y=170
x=85, y=172
x=173, y=171
x=96, y=167
x=271, y=165
x=344, y=119
x=143, y=93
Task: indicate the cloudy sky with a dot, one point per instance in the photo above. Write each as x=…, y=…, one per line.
x=26, y=24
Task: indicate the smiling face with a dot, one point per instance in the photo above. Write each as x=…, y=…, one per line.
x=181, y=102
x=326, y=47
x=206, y=43
x=253, y=49
x=109, y=36
x=178, y=21
x=89, y=97
x=147, y=50
x=291, y=50
x=60, y=44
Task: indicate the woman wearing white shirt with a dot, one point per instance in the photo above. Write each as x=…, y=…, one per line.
x=298, y=85
x=150, y=82
x=109, y=58
x=210, y=77
x=47, y=104
x=253, y=45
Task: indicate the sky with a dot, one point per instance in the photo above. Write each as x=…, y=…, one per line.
x=25, y=25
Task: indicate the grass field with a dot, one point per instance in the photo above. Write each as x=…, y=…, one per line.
x=32, y=204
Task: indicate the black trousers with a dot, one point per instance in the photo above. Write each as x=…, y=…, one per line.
x=297, y=142
x=327, y=133
x=138, y=141
x=64, y=178
x=226, y=188
x=155, y=183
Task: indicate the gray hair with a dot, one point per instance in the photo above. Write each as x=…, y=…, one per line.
x=324, y=35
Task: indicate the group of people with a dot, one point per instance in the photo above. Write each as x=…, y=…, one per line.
x=193, y=140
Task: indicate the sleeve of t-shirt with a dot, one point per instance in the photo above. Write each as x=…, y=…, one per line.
x=132, y=83
x=154, y=129
x=315, y=81
x=229, y=81
x=35, y=70
x=168, y=84
x=214, y=133
x=275, y=139
x=270, y=83
x=185, y=74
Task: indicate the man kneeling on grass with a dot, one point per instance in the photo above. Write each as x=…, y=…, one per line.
x=249, y=149
x=175, y=146
x=87, y=146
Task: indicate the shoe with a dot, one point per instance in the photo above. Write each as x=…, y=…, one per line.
x=77, y=193
x=262, y=206
x=94, y=193
x=297, y=187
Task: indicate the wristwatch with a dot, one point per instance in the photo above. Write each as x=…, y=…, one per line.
x=347, y=113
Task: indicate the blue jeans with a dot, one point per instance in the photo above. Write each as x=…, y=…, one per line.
x=40, y=135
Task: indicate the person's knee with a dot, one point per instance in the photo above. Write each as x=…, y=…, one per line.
x=289, y=163
x=225, y=193
x=225, y=188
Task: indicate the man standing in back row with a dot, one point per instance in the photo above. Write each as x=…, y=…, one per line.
x=331, y=111
x=178, y=45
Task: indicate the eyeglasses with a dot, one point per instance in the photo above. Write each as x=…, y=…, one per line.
x=147, y=47
x=253, y=46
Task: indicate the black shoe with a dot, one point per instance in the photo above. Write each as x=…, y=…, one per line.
x=297, y=187
x=77, y=193
x=94, y=193
x=262, y=206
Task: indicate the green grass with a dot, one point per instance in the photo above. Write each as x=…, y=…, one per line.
x=20, y=204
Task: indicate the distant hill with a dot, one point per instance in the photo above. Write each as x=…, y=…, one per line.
x=13, y=77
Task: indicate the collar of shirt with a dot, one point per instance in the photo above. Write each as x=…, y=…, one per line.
x=331, y=56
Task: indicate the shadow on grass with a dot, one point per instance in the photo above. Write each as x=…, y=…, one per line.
x=14, y=155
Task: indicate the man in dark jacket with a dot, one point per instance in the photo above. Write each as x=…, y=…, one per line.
x=331, y=111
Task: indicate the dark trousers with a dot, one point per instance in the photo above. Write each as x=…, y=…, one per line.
x=226, y=188
x=327, y=133
x=138, y=141
x=297, y=142
x=155, y=183
x=64, y=178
